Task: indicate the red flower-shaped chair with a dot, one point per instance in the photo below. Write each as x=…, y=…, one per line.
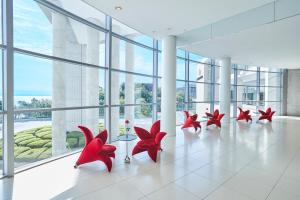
x=266, y=115
x=190, y=121
x=214, y=118
x=244, y=115
x=150, y=142
x=96, y=149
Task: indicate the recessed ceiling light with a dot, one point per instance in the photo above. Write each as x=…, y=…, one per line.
x=118, y=8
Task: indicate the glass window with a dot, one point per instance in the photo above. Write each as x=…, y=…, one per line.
x=180, y=53
x=132, y=89
x=86, y=11
x=159, y=91
x=1, y=145
x=270, y=94
x=217, y=74
x=246, y=93
x=1, y=22
x=159, y=44
x=252, y=106
x=41, y=135
x=198, y=58
x=266, y=69
x=217, y=92
x=180, y=91
x=42, y=30
x=270, y=79
x=180, y=69
x=246, y=77
x=200, y=109
x=159, y=70
x=246, y=67
x=200, y=92
x=180, y=116
x=129, y=57
x=1, y=75
x=56, y=84
x=140, y=116
x=130, y=33
x=199, y=72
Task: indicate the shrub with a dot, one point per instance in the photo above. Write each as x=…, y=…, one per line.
x=43, y=133
x=72, y=142
x=22, y=135
x=47, y=136
x=37, y=144
x=28, y=131
x=48, y=144
x=19, y=150
x=74, y=134
x=19, y=140
x=81, y=142
x=30, y=155
x=45, y=154
x=46, y=128
x=25, y=142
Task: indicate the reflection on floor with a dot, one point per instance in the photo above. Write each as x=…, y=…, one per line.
x=241, y=161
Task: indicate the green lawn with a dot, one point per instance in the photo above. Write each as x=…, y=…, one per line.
x=35, y=144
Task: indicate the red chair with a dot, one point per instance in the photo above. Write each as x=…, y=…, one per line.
x=190, y=121
x=96, y=149
x=244, y=115
x=214, y=118
x=150, y=142
x=266, y=115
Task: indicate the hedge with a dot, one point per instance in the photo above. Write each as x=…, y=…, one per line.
x=35, y=143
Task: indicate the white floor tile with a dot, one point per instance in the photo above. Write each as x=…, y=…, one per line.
x=240, y=161
x=173, y=192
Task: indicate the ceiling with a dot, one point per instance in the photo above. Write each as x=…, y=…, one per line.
x=272, y=45
x=172, y=17
x=266, y=44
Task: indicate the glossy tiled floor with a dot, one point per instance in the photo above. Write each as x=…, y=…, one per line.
x=241, y=161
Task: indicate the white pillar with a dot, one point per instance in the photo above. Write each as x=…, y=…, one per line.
x=91, y=86
x=59, y=24
x=168, y=85
x=225, y=88
x=115, y=88
x=129, y=83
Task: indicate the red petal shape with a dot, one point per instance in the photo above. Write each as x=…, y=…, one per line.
x=103, y=136
x=155, y=128
x=142, y=133
x=95, y=149
x=87, y=134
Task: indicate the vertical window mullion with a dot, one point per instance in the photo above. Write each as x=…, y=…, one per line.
x=187, y=89
x=258, y=88
x=108, y=64
x=235, y=89
x=155, y=80
x=8, y=81
x=213, y=85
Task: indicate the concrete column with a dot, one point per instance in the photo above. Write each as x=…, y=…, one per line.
x=129, y=83
x=271, y=93
x=225, y=88
x=91, y=85
x=284, y=92
x=59, y=25
x=168, y=85
x=203, y=91
x=115, y=88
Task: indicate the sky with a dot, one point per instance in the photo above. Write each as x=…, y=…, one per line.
x=33, y=31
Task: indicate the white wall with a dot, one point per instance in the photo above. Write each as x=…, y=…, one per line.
x=293, y=92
